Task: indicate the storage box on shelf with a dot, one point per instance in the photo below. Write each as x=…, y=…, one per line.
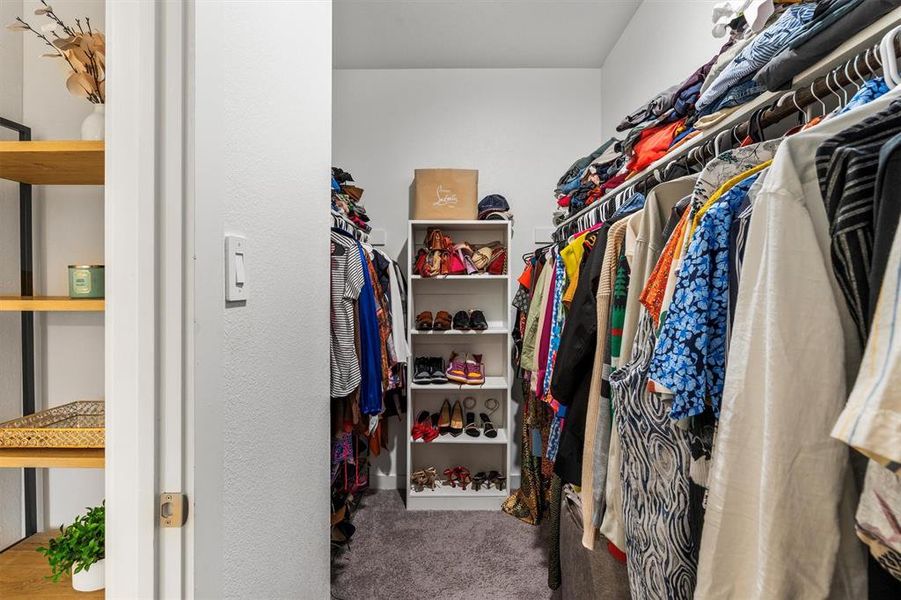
x=452, y=293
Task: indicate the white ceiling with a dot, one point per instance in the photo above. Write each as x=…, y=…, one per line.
x=411, y=34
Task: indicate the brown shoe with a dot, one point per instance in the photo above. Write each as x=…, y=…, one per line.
x=424, y=321
x=443, y=321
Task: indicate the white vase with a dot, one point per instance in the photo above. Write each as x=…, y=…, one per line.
x=92, y=128
x=90, y=579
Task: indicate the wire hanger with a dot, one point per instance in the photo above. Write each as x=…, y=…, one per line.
x=801, y=111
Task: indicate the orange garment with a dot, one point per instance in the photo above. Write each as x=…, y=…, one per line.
x=653, y=144
x=525, y=280
x=655, y=289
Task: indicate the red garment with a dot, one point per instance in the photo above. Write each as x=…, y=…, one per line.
x=613, y=182
x=563, y=201
x=653, y=144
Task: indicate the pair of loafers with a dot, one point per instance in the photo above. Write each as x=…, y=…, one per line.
x=466, y=321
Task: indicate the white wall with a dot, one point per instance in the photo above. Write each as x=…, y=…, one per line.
x=665, y=42
x=262, y=151
x=10, y=348
x=521, y=128
x=68, y=229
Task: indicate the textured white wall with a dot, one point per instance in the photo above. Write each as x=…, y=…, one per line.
x=68, y=230
x=263, y=150
x=521, y=128
x=665, y=42
x=10, y=328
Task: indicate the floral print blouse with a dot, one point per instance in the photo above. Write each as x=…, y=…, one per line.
x=690, y=355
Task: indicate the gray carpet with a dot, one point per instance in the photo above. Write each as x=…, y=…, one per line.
x=439, y=555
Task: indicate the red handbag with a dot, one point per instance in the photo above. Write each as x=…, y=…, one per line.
x=498, y=263
x=456, y=266
x=420, y=267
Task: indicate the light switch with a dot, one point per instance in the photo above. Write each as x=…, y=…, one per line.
x=239, y=270
x=235, y=268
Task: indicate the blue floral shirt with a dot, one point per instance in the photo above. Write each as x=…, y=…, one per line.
x=690, y=354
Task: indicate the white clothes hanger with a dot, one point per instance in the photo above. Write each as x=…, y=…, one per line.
x=889, y=58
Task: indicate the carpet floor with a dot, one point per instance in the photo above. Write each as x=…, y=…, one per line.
x=441, y=555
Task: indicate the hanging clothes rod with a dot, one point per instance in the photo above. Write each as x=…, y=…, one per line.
x=706, y=146
x=341, y=222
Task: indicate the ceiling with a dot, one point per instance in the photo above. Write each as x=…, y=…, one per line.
x=415, y=34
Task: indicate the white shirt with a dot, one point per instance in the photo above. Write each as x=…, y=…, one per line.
x=780, y=512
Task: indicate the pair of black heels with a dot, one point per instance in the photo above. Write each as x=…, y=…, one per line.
x=487, y=479
x=473, y=430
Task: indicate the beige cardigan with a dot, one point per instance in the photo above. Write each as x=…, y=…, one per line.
x=615, y=238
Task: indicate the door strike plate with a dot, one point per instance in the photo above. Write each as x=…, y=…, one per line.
x=173, y=509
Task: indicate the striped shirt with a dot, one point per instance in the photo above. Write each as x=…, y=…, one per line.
x=346, y=285
x=758, y=53
x=847, y=165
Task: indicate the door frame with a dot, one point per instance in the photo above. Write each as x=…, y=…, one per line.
x=146, y=238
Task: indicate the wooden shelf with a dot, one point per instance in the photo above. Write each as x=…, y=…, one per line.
x=50, y=304
x=64, y=458
x=67, y=162
x=23, y=572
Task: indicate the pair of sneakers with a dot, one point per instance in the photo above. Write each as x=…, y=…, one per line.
x=466, y=369
x=429, y=370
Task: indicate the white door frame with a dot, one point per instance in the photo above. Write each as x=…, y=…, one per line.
x=145, y=237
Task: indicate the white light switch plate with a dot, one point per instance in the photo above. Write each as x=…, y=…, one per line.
x=542, y=235
x=235, y=268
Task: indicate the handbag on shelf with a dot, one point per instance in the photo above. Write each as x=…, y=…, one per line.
x=498, y=263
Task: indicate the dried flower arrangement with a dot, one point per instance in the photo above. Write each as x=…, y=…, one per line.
x=82, y=47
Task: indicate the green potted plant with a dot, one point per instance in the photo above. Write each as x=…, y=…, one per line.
x=79, y=549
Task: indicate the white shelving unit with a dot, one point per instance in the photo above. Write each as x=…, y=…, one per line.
x=491, y=295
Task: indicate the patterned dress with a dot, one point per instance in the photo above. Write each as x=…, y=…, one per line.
x=661, y=545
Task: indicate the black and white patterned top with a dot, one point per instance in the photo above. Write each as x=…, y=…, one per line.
x=346, y=285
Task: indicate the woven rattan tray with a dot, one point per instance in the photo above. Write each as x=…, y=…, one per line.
x=74, y=425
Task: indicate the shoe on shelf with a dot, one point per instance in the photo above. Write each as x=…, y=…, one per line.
x=417, y=432
x=471, y=429
x=478, y=480
x=475, y=370
x=430, y=476
x=463, y=477
x=418, y=480
x=456, y=369
x=477, y=321
x=423, y=429
x=461, y=321
x=487, y=426
x=422, y=373
x=456, y=422
x=497, y=479
x=424, y=321
x=443, y=321
x=444, y=418
x=437, y=370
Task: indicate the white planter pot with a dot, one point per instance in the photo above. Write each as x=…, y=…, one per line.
x=90, y=579
x=92, y=128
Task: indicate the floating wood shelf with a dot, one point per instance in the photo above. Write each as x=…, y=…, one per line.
x=68, y=162
x=50, y=304
x=23, y=573
x=64, y=458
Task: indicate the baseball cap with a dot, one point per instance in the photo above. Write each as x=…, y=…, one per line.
x=494, y=204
